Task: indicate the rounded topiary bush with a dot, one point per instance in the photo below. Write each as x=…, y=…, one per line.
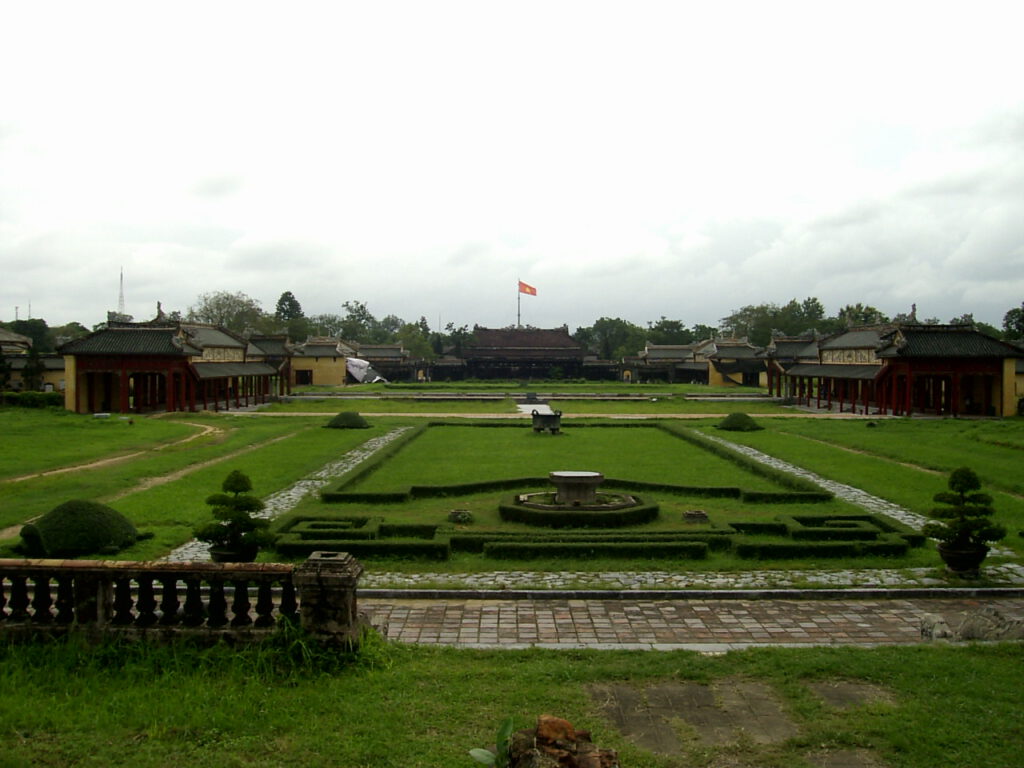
x=739, y=422
x=348, y=420
x=76, y=528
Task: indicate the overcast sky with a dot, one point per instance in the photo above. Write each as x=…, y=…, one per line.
x=631, y=160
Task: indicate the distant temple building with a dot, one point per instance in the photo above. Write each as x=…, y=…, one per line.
x=523, y=353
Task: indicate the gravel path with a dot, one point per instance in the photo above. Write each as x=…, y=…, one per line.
x=286, y=500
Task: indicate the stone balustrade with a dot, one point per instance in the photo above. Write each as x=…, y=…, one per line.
x=238, y=601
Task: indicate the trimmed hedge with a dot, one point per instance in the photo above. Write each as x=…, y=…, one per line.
x=434, y=550
x=475, y=542
x=32, y=399
x=79, y=527
x=787, y=497
x=784, y=479
x=889, y=545
x=579, y=518
x=348, y=420
x=515, y=550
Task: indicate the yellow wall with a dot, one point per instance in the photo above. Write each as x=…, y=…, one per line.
x=327, y=371
x=1011, y=389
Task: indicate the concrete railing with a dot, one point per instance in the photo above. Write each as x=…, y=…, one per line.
x=238, y=601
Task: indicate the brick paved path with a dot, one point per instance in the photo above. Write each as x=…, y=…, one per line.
x=702, y=625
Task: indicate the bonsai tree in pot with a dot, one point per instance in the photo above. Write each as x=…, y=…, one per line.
x=235, y=536
x=966, y=526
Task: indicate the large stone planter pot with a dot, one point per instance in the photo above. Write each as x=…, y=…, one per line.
x=963, y=561
x=232, y=555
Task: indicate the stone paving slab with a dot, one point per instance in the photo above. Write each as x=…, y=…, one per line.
x=700, y=625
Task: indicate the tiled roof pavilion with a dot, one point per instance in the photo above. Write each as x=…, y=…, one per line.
x=134, y=367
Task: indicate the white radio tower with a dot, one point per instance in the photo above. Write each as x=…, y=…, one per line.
x=120, y=295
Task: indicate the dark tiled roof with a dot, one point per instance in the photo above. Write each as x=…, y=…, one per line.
x=524, y=338
x=394, y=351
x=135, y=340
x=734, y=352
x=668, y=352
x=272, y=346
x=319, y=350
x=834, y=371
x=223, y=370
x=855, y=338
x=209, y=336
x=943, y=341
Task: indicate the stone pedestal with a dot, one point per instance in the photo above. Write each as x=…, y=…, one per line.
x=326, y=587
x=576, y=488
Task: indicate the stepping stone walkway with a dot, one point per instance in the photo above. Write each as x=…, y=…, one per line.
x=846, y=492
x=286, y=500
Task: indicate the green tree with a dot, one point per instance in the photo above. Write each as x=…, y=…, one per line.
x=37, y=330
x=32, y=373
x=457, y=339
x=667, y=331
x=415, y=338
x=235, y=311
x=612, y=338
x=325, y=324
x=288, y=307
x=860, y=314
x=1013, y=324
x=5, y=374
x=358, y=324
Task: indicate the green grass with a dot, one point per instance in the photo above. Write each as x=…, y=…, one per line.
x=389, y=405
x=903, y=482
x=274, y=452
x=39, y=440
x=422, y=707
x=464, y=454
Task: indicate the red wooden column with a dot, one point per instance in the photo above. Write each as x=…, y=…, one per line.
x=122, y=388
x=171, y=390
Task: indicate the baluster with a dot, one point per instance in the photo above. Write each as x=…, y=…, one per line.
x=194, y=612
x=145, y=605
x=42, y=601
x=3, y=600
x=218, y=606
x=123, y=602
x=288, y=610
x=240, y=605
x=264, y=605
x=169, y=600
x=19, y=598
x=65, y=599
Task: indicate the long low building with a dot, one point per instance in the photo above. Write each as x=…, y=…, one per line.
x=139, y=367
x=903, y=369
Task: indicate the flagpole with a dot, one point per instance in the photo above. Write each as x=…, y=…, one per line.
x=519, y=306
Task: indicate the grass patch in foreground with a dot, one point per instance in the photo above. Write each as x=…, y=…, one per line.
x=422, y=707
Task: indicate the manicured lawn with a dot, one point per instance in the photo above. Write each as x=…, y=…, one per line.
x=274, y=452
x=389, y=404
x=446, y=455
x=422, y=707
x=38, y=440
x=821, y=446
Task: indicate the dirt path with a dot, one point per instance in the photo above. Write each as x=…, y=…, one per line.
x=204, y=429
x=153, y=482
x=149, y=482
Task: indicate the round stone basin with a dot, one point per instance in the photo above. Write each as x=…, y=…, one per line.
x=576, y=488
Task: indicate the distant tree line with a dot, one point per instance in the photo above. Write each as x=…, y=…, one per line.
x=608, y=338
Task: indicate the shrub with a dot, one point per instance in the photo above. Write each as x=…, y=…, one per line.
x=966, y=516
x=739, y=422
x=77, y=528
x=348, y=420
x=234, y=527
